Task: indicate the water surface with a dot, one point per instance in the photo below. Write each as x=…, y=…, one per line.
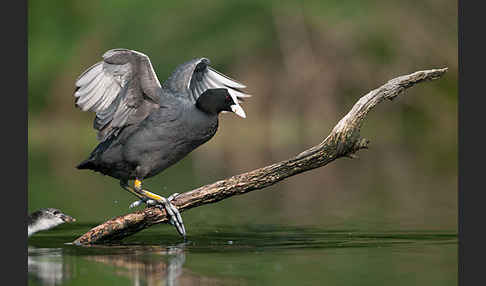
x=246, y=255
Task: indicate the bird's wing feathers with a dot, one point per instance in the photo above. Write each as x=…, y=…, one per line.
x=204, y=77
x=122, y=89
x=192, y=78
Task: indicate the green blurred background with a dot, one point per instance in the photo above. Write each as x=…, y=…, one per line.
x=305, y=63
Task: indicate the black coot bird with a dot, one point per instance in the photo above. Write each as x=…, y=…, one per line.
x=45, y=219
x=145, y=127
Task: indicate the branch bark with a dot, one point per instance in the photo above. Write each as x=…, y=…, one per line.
x=343, y=141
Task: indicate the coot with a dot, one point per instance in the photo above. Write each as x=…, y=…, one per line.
x=145, y=127
x=45, y=219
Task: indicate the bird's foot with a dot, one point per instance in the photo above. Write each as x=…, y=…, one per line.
x=173, y=213
x=148, y=202
x=175, y=217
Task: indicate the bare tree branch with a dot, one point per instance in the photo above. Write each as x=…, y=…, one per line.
x=343, y=141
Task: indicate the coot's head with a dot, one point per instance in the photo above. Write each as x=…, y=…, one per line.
x=216, y=100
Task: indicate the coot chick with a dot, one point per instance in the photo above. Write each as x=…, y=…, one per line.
x=145, y=127
x=45, y=219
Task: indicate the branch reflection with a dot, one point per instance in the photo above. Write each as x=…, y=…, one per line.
x=153, y=265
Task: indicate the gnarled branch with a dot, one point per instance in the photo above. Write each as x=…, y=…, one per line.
x=343, y=141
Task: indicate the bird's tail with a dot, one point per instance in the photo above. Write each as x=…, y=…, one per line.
x=86, y=164
x=91, y=162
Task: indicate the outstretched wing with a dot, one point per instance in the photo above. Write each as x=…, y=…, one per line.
x=194, y=77
x=122, y=89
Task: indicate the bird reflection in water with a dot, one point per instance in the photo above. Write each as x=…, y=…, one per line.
x=176, y=259
x=143, y=264
x=47, y=266
x=153, y=265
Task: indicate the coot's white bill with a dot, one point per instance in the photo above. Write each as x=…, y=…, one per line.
x=238, y=110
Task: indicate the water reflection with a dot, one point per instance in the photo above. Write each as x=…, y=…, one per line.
x=262, y=255
x=142, y=264
x=152, y=265
x=145, y=265
x=47, y=266
x=174, y=266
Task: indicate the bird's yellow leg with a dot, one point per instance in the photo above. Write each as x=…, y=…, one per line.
x=139, y=192
x=151, y=195
x=146, y=196
x=138, y=187
x=125, y=186
x=137, y=184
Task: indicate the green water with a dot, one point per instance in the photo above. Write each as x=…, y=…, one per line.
x=246, y=255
